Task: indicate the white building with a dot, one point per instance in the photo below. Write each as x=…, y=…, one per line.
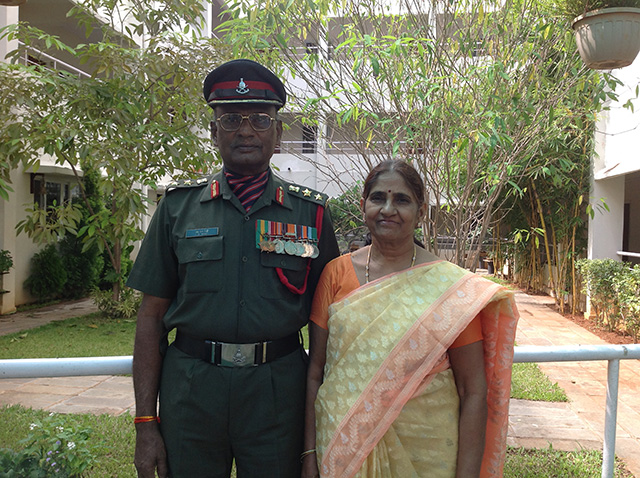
x=616, y=176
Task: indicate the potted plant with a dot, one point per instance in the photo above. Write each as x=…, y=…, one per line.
x=607, y=31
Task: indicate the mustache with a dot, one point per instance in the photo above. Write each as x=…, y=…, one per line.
x=245, y=144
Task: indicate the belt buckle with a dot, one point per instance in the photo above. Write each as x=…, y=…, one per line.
x=238, y=355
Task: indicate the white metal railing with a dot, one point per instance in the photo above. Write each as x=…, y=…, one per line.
x=51, y=63
x=628, y=254
x=67, y=367
x=578, y=353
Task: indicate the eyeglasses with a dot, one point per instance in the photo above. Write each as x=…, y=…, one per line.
x=233, y=121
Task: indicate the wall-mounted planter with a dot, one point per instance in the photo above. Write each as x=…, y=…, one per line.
x=608, y=38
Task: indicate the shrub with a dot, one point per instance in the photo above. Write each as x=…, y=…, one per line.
x=83, y=268
x=48, y=275
x=6, y=262
x=627, y=287
x=614, y=290
x=54, y=448
x=125, y=308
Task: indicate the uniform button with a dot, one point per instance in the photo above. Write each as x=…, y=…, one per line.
x=283, y=263
x=243, y=303
x=244, y=259
x=246, y=218
x=199, y=255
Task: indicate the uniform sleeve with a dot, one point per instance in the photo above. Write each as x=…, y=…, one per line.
x=473, y=333
x=155, y=271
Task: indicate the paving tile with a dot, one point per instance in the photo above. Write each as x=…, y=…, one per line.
x=30, y=400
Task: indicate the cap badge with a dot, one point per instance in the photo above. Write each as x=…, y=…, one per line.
x=242, y=87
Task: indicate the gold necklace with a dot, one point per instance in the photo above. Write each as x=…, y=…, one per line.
x=366, y=267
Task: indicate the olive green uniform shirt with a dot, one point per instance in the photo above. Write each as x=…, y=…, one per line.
x=200, y=250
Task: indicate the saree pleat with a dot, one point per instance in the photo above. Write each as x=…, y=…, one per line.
x=388, y=406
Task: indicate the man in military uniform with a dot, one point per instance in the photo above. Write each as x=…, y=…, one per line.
x=231, y=262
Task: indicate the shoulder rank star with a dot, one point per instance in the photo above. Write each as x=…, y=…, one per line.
x=306, y=193
x=215, y=189
x=318, y=197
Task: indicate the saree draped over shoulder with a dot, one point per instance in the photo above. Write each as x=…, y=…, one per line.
x=388, y=406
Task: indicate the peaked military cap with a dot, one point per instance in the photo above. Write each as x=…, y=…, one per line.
x=243, y=81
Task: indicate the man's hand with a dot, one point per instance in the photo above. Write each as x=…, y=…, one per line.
x=150, y=452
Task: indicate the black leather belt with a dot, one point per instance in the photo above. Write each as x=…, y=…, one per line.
x=236, y=355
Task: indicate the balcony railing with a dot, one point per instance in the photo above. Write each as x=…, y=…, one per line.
x=32, y=56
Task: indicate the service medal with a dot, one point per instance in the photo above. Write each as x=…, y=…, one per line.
x=316, y=252
x=290, y=248
x=278, y=246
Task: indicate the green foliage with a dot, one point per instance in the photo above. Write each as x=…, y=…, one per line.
x=110, y=443
x=347, y=216
x=137, y=117
x=47, y=226
x=55, y=447
x=472, y=98
x=627, y=287
x=614, y=290
x=47, y=276
x=6, y=262
x=598, y=279
x=125, y=308
x=574, y=8
x=83, y=267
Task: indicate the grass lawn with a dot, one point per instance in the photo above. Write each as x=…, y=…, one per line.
x=87, y=336
x=93, y=335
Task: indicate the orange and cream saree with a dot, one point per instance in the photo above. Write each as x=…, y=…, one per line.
x=388, y=406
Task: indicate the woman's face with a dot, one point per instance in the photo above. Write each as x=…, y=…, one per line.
x=391, y=211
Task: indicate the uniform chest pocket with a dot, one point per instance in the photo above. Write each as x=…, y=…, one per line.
x=201, y=264
x=293, y=267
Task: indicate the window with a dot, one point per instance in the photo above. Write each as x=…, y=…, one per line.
x=48, y=192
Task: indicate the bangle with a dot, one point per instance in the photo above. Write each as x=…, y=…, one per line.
x=305, y=453
x=145, y=419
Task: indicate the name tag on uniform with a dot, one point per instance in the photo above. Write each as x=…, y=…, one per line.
x=203, y=232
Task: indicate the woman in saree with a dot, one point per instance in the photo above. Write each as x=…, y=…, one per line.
x=411, y=355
